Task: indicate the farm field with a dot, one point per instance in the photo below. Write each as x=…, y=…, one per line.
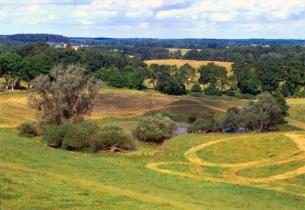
x=191, y=171
x=196, y=64
x=183, y=50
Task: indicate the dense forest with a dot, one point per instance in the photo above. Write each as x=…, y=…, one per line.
x=255, y=70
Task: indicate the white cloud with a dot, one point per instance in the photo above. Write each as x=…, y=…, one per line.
x=190, y=18
x=143, y=25
x=3, y=14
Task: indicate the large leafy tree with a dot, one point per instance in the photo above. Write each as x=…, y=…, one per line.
x=64, y=95
x=32, y=66
x=10, y=65
x=112, y=76
x=213, y=75
x=187, y=74
x=168, y=81
x=246, y=77
x=135, y=76
x=270, y=72
x=294, y=78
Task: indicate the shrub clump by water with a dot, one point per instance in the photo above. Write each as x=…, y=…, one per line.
x=154, y=128
x=202, y=122
x=112, y=137
x=87, y=136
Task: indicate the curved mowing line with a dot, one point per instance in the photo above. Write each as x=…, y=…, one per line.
x=231, y=177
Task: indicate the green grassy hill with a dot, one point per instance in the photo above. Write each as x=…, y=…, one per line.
x=210, y=171
x=34, y=176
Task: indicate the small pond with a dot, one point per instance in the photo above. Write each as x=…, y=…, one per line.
x=181, y=129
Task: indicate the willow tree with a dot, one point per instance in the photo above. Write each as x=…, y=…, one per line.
x=64, y=95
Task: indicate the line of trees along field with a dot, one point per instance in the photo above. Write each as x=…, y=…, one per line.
x=255, y=69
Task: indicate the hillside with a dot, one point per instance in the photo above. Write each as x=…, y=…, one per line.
x=253, y=171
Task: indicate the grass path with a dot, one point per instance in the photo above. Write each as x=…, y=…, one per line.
x=196, y=164
x=296, y=123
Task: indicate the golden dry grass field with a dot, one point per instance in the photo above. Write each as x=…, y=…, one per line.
x=196, y=64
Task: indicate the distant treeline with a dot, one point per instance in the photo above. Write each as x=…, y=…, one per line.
x=149, y=42
x=25, y=38
x=185, y=43
x=255, y=70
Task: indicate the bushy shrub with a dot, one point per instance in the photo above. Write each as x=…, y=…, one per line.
x=29, y=129
x=299, y=93
x=233, y=92
x=199, y=114
x=261, y=115
x=281, y=101
x=79, y=136
x=212, y=90
x=87, y=136
x=196, y=88
x=154, y=128
x=202, y=122
x=110, y=137
x=55, y=135
x=232, y=120
x=171, y=86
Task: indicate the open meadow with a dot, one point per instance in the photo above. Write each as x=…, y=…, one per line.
x=191, y=171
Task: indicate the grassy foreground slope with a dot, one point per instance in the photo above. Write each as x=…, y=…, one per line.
x=34, y=176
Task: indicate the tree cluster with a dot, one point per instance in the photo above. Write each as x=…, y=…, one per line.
x=26, y=62
x=260, y=116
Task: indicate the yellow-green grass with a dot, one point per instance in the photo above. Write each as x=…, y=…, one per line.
x=33, y=176
x=14, y=109
x=265, y=171
x=249, y=149
x=297, y=112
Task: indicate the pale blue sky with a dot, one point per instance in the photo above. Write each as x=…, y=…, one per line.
x=156, y=18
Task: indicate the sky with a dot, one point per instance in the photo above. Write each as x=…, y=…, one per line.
x=156, y=18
